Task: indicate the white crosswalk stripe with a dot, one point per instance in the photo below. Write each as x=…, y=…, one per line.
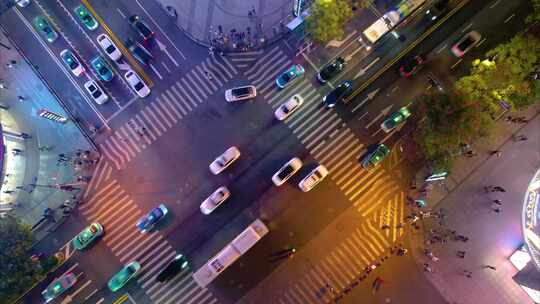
x=167, y=110
x=117, y=212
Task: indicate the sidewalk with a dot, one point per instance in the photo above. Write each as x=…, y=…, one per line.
x=30, y=171
x=222, y=22
x=493, y=237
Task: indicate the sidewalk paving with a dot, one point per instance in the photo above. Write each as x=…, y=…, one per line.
x=201, y=20
x=29, y=176
x=493, y=237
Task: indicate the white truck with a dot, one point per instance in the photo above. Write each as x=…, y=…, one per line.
x=234, y=250
x=381, y=27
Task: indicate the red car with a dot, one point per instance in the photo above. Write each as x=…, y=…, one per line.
x=411, y=66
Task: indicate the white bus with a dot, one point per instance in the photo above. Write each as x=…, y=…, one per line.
x=381, y=27
x=234, y=250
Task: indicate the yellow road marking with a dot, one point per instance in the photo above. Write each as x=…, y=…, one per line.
x=120, y=45
x=124, y=297
x=405, y=51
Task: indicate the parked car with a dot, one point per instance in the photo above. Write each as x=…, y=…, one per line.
x=139, y=51
x=411, y=66
x=88, y=236
x=330, y=70
x=397, y=118
x=137, y=84
x=466, y=43
x=291, y=74
x=96, y=92
x=59, y=286
x=224, y=160
x=102, y=68
x=123, y=276
x=286, y=171
x=148, y=221
x=72, y=62
x=85, y=17
x=288, y=107
x=374, y=158
x=342, y=91
x=215, y=200
x=109, y=47
x=179, y=263
x=45, y=29
x=313, y=178
x=141, y=27
x=240, y=93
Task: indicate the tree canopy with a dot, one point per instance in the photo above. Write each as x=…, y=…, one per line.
x=327, y=19
x=17, y=270
x=535, y=14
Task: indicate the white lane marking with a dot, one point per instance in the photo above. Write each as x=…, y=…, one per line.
x=455, y=64
x=132, y=100
x=441, y=48
x=480, y=43
x=91, y=294
x=364, y=70
x=466, y=28
x=163, y=48
x=159, y=27
x=508, y=19
x=69, y=269
x=81, y=288
x=494, y=4
x=121, y=13
x=166, y=67
x=155, y=71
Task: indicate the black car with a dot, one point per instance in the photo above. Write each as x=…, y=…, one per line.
x=331, y=70
x=139, y=52
x=411, y=66
x=141, y=27
x=440, y=8
x=174, y=267
x=342, y=91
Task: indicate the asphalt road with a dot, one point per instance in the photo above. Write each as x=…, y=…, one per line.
x=189, y=124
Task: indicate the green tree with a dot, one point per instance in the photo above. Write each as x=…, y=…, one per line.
x=17, y=270
x=450, y=120
x=505, y=76
x=327, y=19
x=535, y=15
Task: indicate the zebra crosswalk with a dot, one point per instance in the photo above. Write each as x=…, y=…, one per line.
x=324, y=134
x=115, y=209
x=339, y=267
x=167, y=110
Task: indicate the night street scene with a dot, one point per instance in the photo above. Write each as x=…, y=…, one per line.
x=270, y=151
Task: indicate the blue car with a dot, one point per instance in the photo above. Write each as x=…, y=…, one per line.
x=147, y=222
x=294, y=72
x=102, y=68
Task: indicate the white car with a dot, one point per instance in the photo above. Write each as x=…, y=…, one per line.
x=22, y=3
x=288, y=107
x=72, y=62
x=137, y=84
x=215, y=199
x=285, y=172
x=313, y=178
x=224, y=160
x=240, y=93
x=96, y=92
x=109, y=47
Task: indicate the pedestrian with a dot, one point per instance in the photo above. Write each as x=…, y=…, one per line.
x=497, y=201
x=497, y=153
x=488, y=188
x=490, y=267
x=207, y=75
x=471, y=153
x=20, y=98
x=461, y=254
x=385, y=226
x=467, y=273
x=8, y=191
x=427, y=268
x=25, y=135
x=497, y=210
x=517, y=138
x=45, y=148
x=16, y=151
x=498, y=189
